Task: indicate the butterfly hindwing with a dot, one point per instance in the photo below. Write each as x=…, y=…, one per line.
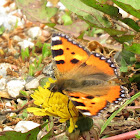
x=92, y=105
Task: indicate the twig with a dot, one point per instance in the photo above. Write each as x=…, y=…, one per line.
x=132, y=107
x=18, y=110
x=123, y=26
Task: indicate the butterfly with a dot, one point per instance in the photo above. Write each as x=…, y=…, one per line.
x=86, y=77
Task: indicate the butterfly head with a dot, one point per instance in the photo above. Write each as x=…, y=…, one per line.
x=58, y=86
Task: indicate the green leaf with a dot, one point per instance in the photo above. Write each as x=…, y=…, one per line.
x=124, y=38
x=116, y=112
x=112, y=11
x=93, y=17
x=81, y=35
x=39, y=61
x=128, y=56
x=128, y=8
x=36, y=11
x=50, y=24
x=50, y=12
x=127, y=59
x=138, y=136
x=131, y=23
x=123, y=67
x=16, y=24
x=135, y=48
x=88, y=13
x=95, y=31
x=48, y=135
x=67, y=19
x=110, y=31
x=49, y=130
x=24, y=113
x=137, y=65
x=13, y=135
x=105, y=8
x=2, y=29
x=135, y=78
x=133, y=3
x=113, y=31
x=39, y=44
x=25, y=53
x=46, y=51
x=24, y=93
x=42, y=81
x=31, y=70
x=84, y=124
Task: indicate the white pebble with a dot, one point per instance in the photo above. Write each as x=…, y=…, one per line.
x=61, y=6
x=25, y=126
x=7, y=128
x=25, y=44
x=8, y=104
x=14, y=86
x=17, y=38
x=3, y=69
x=34, y=32
x=2, y=83
x=33, y=83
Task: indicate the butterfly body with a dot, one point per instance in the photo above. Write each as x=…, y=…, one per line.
x=81, y=84
x=86, y=77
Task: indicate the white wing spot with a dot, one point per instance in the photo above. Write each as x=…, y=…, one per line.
x=87, y=113
x=55, y=38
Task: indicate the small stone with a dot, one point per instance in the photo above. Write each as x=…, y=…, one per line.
x=8, y=104
x=46, y=33
x=61, y=6
x=2, y=3
x=4, y=94
x=26, y=44
x=8, y=20
x=25, y=126
x=29, y=78
x=34, y=32
x=3, y=69
x=7, y=128
x=34, y=83
x=49, y=4
x=48, y=70
x=12, y=114
x=2, y=83
x=14, y=87
x=20, y=102
x=17, y=38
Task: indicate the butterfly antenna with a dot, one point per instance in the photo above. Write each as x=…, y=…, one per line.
x=52, y=88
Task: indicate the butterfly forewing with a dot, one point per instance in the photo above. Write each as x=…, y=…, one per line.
x=65, y=54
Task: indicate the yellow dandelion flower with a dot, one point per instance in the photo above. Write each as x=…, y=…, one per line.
x=54, y=104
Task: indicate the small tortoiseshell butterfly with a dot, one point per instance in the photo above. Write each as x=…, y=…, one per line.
x=86, y=77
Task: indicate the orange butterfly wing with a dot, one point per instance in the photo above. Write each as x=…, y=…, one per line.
x=63, y=51
x=92, y=105
x=69, y=56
